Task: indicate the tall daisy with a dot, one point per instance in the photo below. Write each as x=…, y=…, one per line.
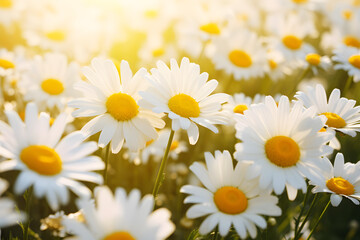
x=114, y=104
x=283, y=143
x=120, y=217
x=183, y=93
x=50, y=165
x=348, y=59
x=228, y=198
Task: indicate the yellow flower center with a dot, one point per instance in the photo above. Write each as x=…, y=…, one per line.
x=300, y=1
x=158, y=52
x=322, y=130
x=119, y=236
x=334, y=120
x=347, y=14
x=6, y=3
x=240, y=58
x=174, y=145
x=355, y=61
x=351, y=41
x=184, y=105
x=240, y=108
x=211, y=28
x=151, y=13
x=272, y=64
x=313, y=58
x=282, y=151
x=6, y=64
x=230, y=200
x=292, y=42
x=41, y=159
x=122, y=106
x=356, y=3
x=340, y=186
x=56, y=35
x=52, y=86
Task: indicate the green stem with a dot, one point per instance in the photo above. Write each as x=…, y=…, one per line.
x=302, y=210
x=161, y=175
x=317, y=222
x=107, y=156
x=27, y=196
x=298, y=234
x=347, y=85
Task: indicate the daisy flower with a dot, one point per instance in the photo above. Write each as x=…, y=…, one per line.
x=45, y=162
x=120, y=217
x=282, y=142
x=183, y=93
x=228, y=198
x=348, y=59
x=114, y=102
x=278, y=68
x=341, y=180
x=314, y=61
x=8, y=215
x=11, y=62
x=49, y=81
x=241, y=54
x=340, y=112
x=10, y=11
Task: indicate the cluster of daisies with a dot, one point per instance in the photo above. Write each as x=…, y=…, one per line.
x=67, y=89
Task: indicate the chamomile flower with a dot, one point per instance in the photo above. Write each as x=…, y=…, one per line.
x=50, y=165
x=10, y=11
x=11, y=63
x=348, y=59
x=240, y=54
x=8, y=215
x=314, y=61
x=49, y=82
x=341, y=180
x=115, y=105
x=282, y=142
x=120, y=217
x=183, y=93
x=340, y=112
x=228, y=198
x=278, y=67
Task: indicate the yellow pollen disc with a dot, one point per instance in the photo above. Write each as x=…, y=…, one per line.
x=56, y=35
x=6, y=64
x=240, y=58
x=122, y=106
x=119, y=236
x=158, y=52
x=334, y=120
x=340, y=186
x=356, y=3
x=211, y=28
x=322, y=130
x=230, y=200
x=282, y=151
x=313, y=58
x=292, y=42
x=240, y=108
x=300, y=1
x=174, y=145
x=347, y=14
x=351, y=41
x=151, y=13
x=184, y=105
x=52, y=86
x=355, y=61
x=41, y=159
x=6, y=3
x=272, y=64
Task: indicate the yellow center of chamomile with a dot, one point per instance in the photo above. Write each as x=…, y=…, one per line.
x=230, y=200
x=240, y=58
x=119, y=236
x=56, y=35
x=174, y=145
x=282, y=151
x=6, y=64
x=334, y=120
x=158, y=52
x=347, y=14
x=351, y=41
x=300, y=1
x=340, y=186
x=356, y=3
x=52, y=86
x=6, y=3
x=313, y=58
x=151, y=13
x=355, y=61
x=184, y=105
x=211, y=28
x=272, y=64
x=240, y=108
x=122, y=106
x=292, y=42
x=41, y=159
